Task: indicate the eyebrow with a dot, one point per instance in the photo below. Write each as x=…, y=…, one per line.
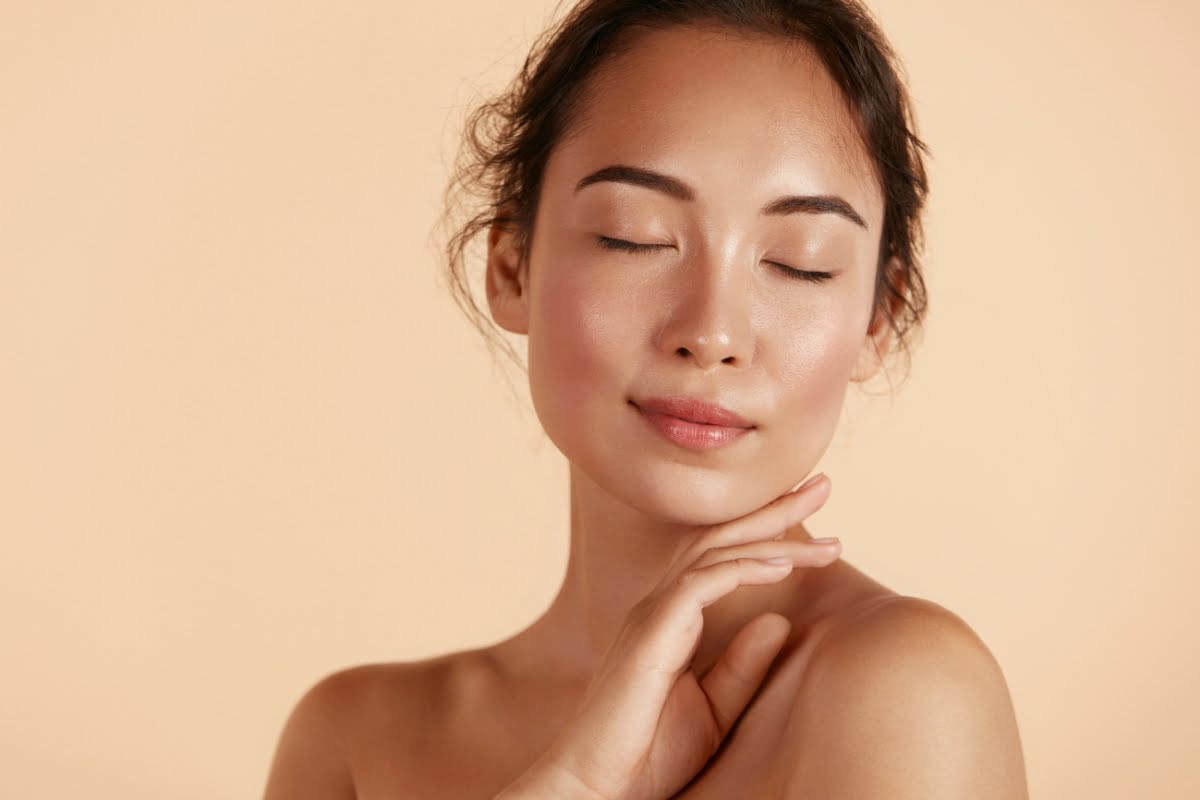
x=676, y=188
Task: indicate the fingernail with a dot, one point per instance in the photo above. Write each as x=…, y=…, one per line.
x=825, y=540
x=811, y=481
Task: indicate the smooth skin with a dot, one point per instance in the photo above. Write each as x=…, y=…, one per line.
x=675, y=661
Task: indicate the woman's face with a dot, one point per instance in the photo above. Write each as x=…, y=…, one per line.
x=736, y=125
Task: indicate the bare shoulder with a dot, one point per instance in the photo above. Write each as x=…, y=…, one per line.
x=340, y=722
x=902, y=699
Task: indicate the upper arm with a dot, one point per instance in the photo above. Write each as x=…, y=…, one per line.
x=904, y=701
x=310, y=759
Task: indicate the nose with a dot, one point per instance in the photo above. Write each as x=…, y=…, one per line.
x=709, y=320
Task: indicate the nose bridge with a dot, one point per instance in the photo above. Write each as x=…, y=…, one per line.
x=710, y=320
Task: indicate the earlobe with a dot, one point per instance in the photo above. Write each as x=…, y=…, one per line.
x=874, y=349
x=507, y=291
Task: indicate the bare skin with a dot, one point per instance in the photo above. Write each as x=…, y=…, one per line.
x=872, y=694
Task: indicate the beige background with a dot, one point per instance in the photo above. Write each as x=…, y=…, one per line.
x=246, y=439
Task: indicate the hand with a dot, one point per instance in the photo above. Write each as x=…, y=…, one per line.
x=646, y=724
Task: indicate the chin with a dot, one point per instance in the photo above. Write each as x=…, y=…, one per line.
x=684, y=494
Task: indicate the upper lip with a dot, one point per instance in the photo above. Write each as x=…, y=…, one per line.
x=694, y=409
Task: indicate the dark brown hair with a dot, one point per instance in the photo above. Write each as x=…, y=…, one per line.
x=509, y=138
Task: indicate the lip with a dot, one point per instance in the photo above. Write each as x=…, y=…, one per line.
x=693, y=409
x=693, y=423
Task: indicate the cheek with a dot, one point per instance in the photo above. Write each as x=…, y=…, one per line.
x=814, y=368
x=822, y=357
x=577, y=358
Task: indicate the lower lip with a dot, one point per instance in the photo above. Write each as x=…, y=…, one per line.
x=692, y=435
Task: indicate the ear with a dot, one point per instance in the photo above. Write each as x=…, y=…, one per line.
x=506, y=280
x=879, y=338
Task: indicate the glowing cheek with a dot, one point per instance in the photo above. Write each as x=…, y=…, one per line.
x=815, y=366
x=574, y=341
x=834, y=354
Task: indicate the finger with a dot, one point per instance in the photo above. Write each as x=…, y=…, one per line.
x=802, y=552
x=698, y=588
x=666, y=637
x=808, y=482
x=738, y=673
x=769, y=521
x=775, y=518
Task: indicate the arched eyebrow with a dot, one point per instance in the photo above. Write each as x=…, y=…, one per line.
x=678, y=189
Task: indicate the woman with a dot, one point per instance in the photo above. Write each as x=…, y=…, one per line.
x=704, y=215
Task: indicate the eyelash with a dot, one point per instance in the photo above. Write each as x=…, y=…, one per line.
x=633, y=247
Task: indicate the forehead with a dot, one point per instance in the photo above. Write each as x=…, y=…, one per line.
x=727, y=113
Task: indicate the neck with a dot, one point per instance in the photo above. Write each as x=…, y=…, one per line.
x=617, y=556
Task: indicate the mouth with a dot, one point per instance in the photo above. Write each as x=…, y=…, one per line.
x=693, y=409
x=692, y=423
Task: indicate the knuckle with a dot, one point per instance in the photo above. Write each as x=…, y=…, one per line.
x=740, y=673
x=706, y=557
x=713, y=537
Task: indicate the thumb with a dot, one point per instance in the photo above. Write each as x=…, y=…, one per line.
x=736, y=676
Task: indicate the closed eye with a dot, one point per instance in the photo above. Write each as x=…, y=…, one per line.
x=811, y=276
x=634, y=247
x=629, y=247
